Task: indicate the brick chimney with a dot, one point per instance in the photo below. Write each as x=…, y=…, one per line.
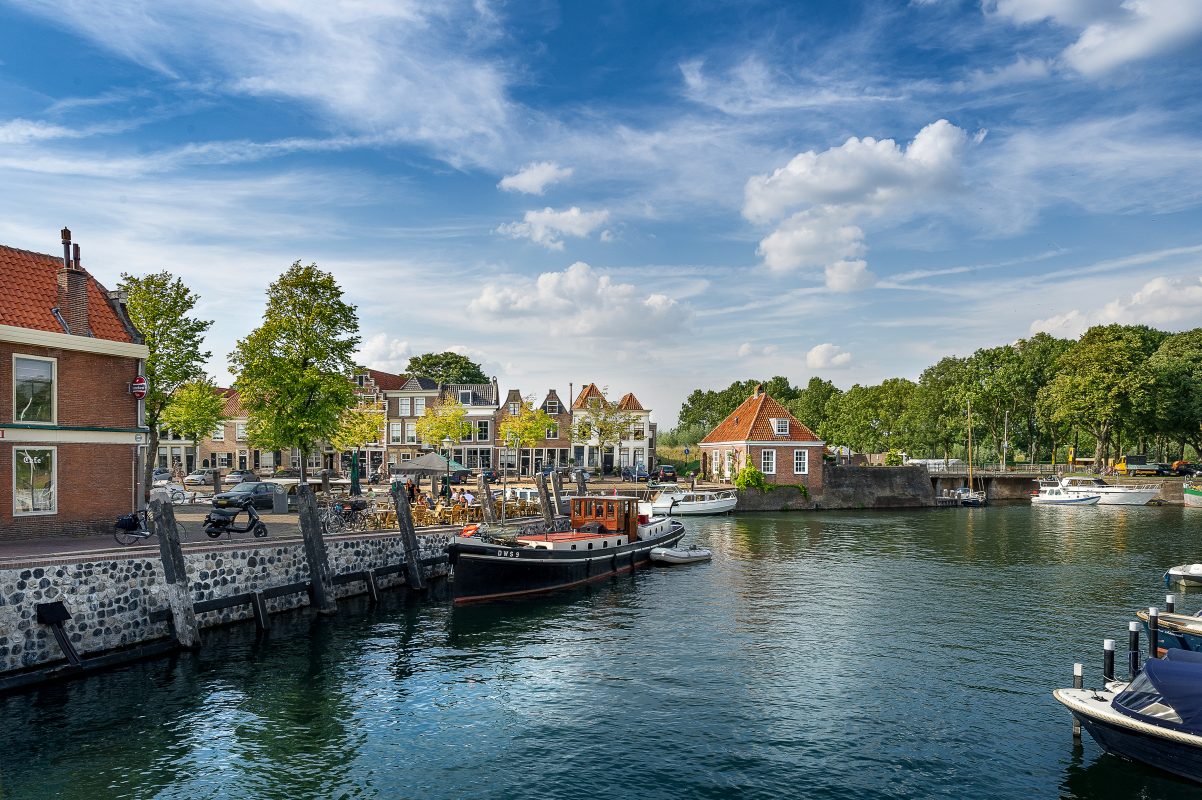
x=73, y=290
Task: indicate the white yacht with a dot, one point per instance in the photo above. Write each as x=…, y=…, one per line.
x=680, y=502
x=1112, y=494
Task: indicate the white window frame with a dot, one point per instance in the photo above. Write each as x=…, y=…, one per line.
x=515, y=409
x=410, y=433
x=487, y=426
x=53, y=479
x=766, y=455
x=552, y=406
x=53, y=391
x=553, y=430
x=396, y=432
x=404, y=407
x=240, y=432
x=219, y=433
x=777, y=424
x=419, y=406
x=805, y=462
x=462, y=401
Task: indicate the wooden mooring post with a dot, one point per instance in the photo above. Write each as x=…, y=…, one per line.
x=1078, y=683
x=581, y=488
x=1132, y=649
x=179, y=596
x=1107, y=661
x=544, y=501
x=404, y=521
x=487, y=504
x=320, y=577
x=557, y=491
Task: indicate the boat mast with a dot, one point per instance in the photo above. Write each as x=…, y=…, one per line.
x=970, y=444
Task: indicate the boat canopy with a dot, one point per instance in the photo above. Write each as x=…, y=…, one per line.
x=1168, y=692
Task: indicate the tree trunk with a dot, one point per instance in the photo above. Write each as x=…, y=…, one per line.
x=304, y=460
x=152, y=454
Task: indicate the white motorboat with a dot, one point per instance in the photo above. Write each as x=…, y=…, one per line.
x=1189, y=574
x=1052, y=494
x=680, y=554
x=1111, y=494
x=1192, y=494
x=683, y=503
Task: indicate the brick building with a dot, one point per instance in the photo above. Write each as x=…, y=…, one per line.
x=762, y=433
x=554, y=449
x=70, y=431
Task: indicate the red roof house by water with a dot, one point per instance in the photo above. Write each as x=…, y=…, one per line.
x=70, y=429
x=762, y=433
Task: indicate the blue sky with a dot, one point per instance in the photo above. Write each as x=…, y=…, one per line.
x=655, y=196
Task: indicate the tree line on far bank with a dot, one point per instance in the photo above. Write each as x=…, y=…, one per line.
x=1116, y=389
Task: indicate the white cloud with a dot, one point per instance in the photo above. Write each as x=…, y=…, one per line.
x=579, y=301
x=548, y=227
x=752, y=87
x=1021, y=70
x=849, y=276
x=535, y=178
x=1112, y=32
x=744, y=350
x=1166, y=303
x=21, y=131
x=825, y=356
x=384, y=352
x=837, y=189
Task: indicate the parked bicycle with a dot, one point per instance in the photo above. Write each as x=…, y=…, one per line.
x=136, y=527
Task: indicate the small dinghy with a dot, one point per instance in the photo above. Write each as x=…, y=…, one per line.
x=1190, y=574
x=680, y=555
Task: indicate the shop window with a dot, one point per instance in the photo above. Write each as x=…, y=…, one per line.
x=34, y=381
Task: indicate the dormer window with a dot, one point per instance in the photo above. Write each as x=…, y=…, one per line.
x=465, y=397
x=780, y=427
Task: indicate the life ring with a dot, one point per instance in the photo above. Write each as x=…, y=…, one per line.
x=469, y=530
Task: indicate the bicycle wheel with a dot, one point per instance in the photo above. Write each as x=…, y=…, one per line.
x=177, y=497
x=181, y=531
x=128, y=537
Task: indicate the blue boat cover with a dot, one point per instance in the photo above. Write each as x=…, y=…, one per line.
x=1178, y=682
x=1177, y=654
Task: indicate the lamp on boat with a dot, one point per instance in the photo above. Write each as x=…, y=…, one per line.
x=446, y=446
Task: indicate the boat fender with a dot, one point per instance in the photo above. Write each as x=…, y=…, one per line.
x=469, y=530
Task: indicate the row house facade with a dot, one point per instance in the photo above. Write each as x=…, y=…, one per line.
x=637, y=445
x=552, y=450
x=72, y=434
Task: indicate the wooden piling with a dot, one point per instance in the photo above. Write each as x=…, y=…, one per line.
x=487, y=505
x=179, y=596
x=259, y=605
x=373, y=589
x=1078, y=683
x=1132, y=649
x=1153, y=630
x=557, y=491
x=320, y=576
x=581, y=488
x=1107, y=661
x=544, y=501
x=404, y=520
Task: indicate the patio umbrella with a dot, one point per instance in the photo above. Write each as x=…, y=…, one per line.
x=355, y=488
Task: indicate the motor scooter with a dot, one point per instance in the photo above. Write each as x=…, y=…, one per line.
x=222, y=521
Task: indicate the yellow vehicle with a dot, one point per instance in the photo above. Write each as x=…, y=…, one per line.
x=1136, y=465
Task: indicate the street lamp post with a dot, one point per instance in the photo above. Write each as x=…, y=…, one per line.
x=446, y=446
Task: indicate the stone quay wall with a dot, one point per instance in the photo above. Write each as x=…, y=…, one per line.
x=111, y=600
x=849, y=488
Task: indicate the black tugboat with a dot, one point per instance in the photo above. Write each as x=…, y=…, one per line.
x=604, y=536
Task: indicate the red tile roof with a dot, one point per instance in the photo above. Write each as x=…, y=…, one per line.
x=586, y=394
x=751, y=422
x=386, y=381
x=233, y=404
x=31, y=290
x=630, y=403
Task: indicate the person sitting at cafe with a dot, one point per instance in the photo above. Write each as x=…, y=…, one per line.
x=467, y=497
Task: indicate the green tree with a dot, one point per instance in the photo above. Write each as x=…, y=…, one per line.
x=446, y=367
x=292, y=369
x=195, y=411
x=1104, y=381
x=603, y=421
x=751, y=478
x=160, y=307
x=870, y=418
x=810, y=404
x=359, y=425
x=935, y=418
x=445, y=418
x=1176, y=367
x=526, y=428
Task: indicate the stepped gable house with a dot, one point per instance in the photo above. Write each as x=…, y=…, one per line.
x=70, y=430
x=763, y=434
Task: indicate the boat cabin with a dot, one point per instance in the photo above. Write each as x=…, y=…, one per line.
x=1167, y=692
x=606, y=515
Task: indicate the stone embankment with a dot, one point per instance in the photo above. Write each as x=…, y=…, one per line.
x=117, y=600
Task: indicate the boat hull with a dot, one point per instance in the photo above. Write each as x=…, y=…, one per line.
x=1085, y=500
x=1192, y=495
x=676, y=556
x=703, y=508
x=1178, y=753
x=490, y=572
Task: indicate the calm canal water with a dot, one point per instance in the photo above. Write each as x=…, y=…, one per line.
x=829, y=655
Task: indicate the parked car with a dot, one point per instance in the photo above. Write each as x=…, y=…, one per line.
x=583, y=472
x=286, y=472
x=491, y=475
x=239, y=475
x=636, y=473
x=160, y=475
x=665, y=473
x=202, y=477
x=248, y=493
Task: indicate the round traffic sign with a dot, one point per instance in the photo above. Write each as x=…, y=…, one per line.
x=138, y=387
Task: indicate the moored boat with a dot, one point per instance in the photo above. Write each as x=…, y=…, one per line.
x=1188, y=574
x=1110, y=494
x=683, y=503
x=681, y=555
x=1155, y=719
x=603, y=536
x=1192, y=493
x=1052, y=494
